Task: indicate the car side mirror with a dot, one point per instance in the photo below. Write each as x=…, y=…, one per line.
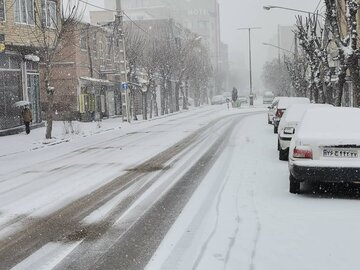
x=269, y=107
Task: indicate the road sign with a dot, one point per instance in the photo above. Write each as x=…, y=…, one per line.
x=2, y=47
x=124, y=86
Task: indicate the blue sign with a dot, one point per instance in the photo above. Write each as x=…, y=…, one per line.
x=124, y=86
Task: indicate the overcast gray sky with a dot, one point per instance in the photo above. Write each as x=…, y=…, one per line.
x=249, y=13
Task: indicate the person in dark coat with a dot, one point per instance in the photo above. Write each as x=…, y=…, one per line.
x=27, y=118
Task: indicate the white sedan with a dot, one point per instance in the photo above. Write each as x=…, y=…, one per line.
x=326, y=147
x=288, y=125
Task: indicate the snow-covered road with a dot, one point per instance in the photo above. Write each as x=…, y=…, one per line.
x=198, y=190
x=243, y=217
x=58, y=193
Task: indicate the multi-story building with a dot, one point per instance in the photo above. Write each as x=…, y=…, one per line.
x=83, y=74
x=19, y=65
x=199, y=16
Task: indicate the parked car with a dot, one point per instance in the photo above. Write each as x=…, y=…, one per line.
x=272, y=110
x=243, y=99
x=282, y=104
x=288, y=125
x=326, y=147
x=268, y=97
x=219, y=99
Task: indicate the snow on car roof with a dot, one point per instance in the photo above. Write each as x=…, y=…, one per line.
x=296, y=111
x=285, y=102
x=332, y=122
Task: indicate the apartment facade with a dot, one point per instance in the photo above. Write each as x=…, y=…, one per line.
x=19, y=62
x=199, y=16
x=83, y=75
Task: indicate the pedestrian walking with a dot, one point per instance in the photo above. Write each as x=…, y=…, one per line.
x=27, y=118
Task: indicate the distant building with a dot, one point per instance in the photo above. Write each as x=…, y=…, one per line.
x=83, y=75
x=199, y=16
x=285, y=39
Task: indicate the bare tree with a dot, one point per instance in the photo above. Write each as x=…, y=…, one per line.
x=199, y=73
x=276, y=78
x=49, y=29
x=296, y=67
x=348, y=55
x=135, y=44
x=311, y=37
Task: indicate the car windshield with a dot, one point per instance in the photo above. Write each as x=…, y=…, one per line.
x=179, y=134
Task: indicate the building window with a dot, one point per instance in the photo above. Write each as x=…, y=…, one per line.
x=51, y=17
x=95, y=46
x=24, y=11
x=83, y=40
x=2, y=10
x=109, y=48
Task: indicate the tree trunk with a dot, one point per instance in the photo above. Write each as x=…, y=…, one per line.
x=170, y=95
x=49, y=115
x=187, y=92
x=156, y=107
x=151, y=106
x=162, y=97
x=50, y=105
x=340, y=88
x=185, y=102
x=356, y=84
x=145, y=105
x=177, y=96
x=329, y=93
x=133, y=104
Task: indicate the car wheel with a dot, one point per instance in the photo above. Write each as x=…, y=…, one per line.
x=269, y=122
x=294, y=185
x=275, y=129
x=283, y=155
x=278, y=146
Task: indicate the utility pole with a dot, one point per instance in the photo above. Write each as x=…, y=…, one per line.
x=251, y=97
x=122, y=67
x=279, y=44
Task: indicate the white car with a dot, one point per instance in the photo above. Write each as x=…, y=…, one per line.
x=219, y=99
x=288, y=125
x=282, y=105
x=272, y=110
x=326, y=147
x=268, y=97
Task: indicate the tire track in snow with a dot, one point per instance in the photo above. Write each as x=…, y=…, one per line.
x=258, y=230
x=66, y=221
x=213, y=232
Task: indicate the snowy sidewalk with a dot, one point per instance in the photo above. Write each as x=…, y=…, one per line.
x=63, y=132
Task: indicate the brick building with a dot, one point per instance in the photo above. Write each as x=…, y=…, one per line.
x=19, y=44
x=83, y=74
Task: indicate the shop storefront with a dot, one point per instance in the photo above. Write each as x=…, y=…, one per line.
x=19, y=80
x=11, y=90
x=96, y=99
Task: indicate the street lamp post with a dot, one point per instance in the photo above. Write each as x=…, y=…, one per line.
x=277, y=47
x=251, y=97
x=292, y=9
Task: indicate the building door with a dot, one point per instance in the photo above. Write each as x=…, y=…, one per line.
x=34, y=96
x=10, y=92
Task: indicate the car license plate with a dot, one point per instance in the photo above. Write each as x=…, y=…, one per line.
x=340, y=153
